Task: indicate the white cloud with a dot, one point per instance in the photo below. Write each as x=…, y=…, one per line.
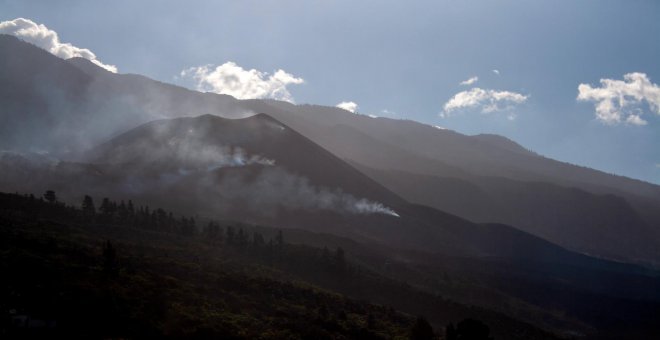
x=485, y=100
x=496, y=72
x=348, y=106
x=43, y=37
x=233, y=80
x=618, y=101
x=469, y=81
x=635, y=120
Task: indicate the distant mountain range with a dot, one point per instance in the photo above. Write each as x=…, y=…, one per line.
x=511, y=221
x=68, y=107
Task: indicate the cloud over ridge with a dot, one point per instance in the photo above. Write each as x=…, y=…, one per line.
x=42, y=36
x=620, y=101
x=231, y=79
x=485, y=100
x=348, y=106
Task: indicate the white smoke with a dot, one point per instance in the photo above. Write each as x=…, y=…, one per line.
x=203, y=156
x=276, y=188
x=364, y=206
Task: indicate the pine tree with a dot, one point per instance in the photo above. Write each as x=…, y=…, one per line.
x=257, y=240
x=242, y=238
x=280, y=239
x=450, y=332
x=230, y=235
x=88, y=208
x=340, y=259
x=50, y=196
x=131, y=209
x=422, y=330
x=110, y=263
x=472, y=329
x=106, y=210
x=122, y=212
x=325, y=257
x=211, y=231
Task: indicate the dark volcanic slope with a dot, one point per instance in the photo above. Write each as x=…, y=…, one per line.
x=216, y=142
x=259, y=170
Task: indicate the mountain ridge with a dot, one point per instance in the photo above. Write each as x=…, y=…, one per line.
x=111, y=103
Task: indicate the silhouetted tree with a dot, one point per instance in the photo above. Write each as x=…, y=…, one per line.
x=257, y=240
x=110, y=263
x=187, y=226
x=241, y=238
x=230, y=235
x=192, y=230
x=450, y=332
x=50, y=196
x=340, y=259
x=325, y=255
x=422, y=330
x=270, y=250
x=88, y=209
x=212, y=231
x=122, y=212
x=130, y=209
x=279, y=239
x=106, y=210
x=471, y=329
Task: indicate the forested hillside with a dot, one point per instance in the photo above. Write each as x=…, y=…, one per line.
x=121, y=270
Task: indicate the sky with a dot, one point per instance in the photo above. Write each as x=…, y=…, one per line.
x=571, y=80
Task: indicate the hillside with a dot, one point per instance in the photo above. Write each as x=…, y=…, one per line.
x=222, y=282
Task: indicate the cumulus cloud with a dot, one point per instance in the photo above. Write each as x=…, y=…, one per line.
x=485, y=100
x=469, y=81
x=348, y=106
x=231, y=79
x=621, y=101
x=42, y=36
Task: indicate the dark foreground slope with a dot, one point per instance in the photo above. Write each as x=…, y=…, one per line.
x=220, y=278
x=154, y=281
x=532, y=281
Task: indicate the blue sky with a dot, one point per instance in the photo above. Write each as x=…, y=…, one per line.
x=405, y=59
